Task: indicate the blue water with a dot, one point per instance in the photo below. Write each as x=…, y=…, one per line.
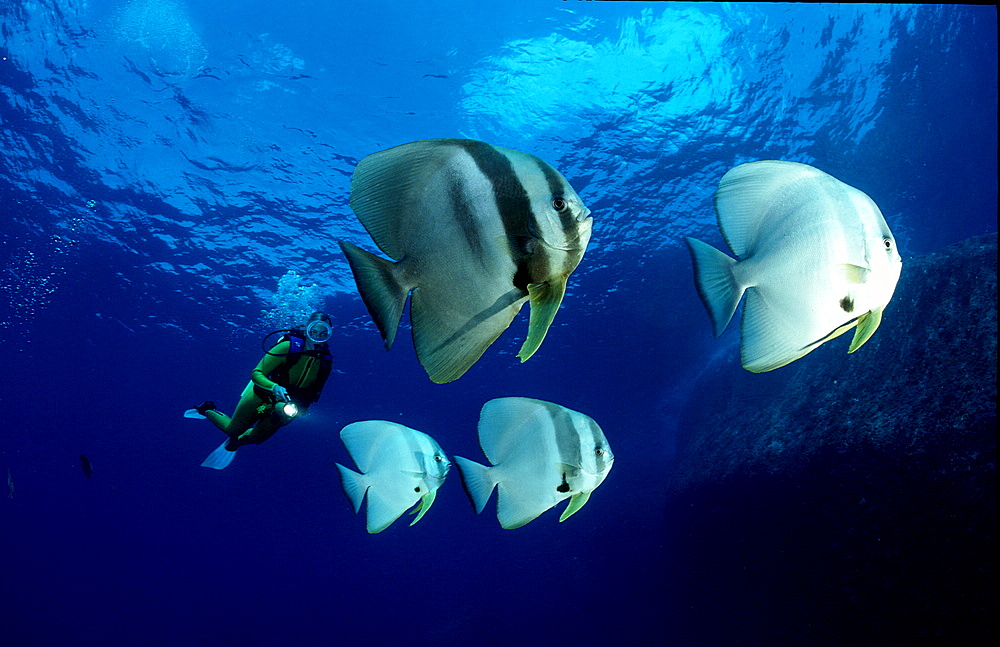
x=173, y=180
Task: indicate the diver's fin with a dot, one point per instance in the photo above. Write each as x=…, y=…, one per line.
x=193, y=414
x=220, y=458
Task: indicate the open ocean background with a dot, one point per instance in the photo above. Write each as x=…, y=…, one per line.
x=174, y=177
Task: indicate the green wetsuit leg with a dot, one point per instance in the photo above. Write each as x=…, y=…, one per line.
x=244, y=417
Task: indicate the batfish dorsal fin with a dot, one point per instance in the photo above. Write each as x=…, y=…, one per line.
x=508, y=424
x=369, y=440
x=386, y=187
x=746, y=198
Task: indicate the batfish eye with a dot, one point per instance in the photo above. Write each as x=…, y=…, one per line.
x=437, y=458
x=887, y=242
x=559, y=204
x=599, y=451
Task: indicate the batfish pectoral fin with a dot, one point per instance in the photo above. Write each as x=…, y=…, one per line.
x=545, y=300
x=854, y=273
x=575, y=503
x=425, y=504
x=867, y=325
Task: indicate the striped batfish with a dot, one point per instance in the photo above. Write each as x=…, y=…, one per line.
x=541, y=453
x=816, y=258
x=477, y=230
x=400, y=467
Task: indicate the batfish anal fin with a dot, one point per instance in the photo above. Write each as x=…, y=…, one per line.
x=867, y=325
x=383, y=294
x=545, y=300
x=575, y=503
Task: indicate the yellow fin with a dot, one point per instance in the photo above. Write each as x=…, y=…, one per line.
x=575, y=503
x=867, y=325
x=424, y=505
x=545, y=300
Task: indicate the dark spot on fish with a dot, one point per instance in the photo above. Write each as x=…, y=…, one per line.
x=416, y=489
x=847, y=303
x=564, y=486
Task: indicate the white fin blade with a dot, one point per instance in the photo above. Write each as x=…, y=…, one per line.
x=220, y=458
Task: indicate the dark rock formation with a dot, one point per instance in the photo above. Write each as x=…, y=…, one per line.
x=850, y=499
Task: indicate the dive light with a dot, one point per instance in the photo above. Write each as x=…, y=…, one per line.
x=286, y=408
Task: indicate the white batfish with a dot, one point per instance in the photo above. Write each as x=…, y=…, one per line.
x=477, y=230
x=541, y=453
x=816, y=258
x=400, y=466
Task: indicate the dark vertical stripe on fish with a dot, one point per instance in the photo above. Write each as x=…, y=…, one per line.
x=557, y=189
x=568, y=440
x=511, y=197
x=598, y=440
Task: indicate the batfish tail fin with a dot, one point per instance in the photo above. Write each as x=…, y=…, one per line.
x=477, y=482
x=220, y=458
x=545, y=301
x=383, y=294
x=713, y=276
x=354, y=486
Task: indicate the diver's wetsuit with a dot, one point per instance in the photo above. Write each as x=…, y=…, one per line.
x=302, y=373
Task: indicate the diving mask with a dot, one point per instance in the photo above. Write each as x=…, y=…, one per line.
x=319, y=332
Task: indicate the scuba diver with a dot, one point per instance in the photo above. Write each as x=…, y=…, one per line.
x=287, y=380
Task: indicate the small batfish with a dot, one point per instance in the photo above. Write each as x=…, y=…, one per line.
x=541, y=453
x=400, y=467
x=477, y=230
x=816, y=258
x=10, y=484
x=88, y=469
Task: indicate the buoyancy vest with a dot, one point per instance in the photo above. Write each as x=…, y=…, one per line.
x=296, y=353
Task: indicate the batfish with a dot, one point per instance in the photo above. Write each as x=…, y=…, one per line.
x=85, y=465
x=476, y=231
x=541, y=453
x=400, y=467
x=816, y=258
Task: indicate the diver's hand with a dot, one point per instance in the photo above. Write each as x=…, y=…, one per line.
x=279, y=392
